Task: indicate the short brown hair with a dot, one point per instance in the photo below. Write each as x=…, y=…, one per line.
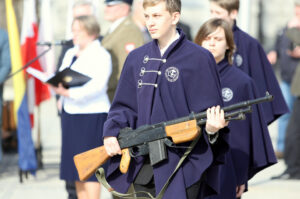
x=90, y=24
x=172, y=5
x=209, y=27
x=228, y=5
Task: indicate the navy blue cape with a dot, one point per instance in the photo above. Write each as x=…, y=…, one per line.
x=188, y=82
x=251, y=58
x=251, y=148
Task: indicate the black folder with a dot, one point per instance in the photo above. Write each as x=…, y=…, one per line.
x=68, y=78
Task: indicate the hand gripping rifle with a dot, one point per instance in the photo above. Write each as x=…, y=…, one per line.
x=153, y=139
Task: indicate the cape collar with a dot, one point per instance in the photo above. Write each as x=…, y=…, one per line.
x=155, y=45
x=222, y=65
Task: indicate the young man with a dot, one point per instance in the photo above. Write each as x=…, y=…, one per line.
x=251, y=58
x=163, y=80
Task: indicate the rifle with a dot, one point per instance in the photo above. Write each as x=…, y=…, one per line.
x=153, y=139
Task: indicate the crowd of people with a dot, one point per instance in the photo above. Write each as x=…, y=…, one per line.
x=147, y=69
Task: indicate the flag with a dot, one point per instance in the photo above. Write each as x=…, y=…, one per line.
x=27, y=159
x=37, y=91
x=46, y=34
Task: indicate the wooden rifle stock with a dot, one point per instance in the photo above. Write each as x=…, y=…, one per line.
x=183, y=132
x=89, y=161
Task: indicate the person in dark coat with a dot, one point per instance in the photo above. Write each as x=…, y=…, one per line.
x=287, y=67
x=250, y=144
x=292, y=136
x=186, y=29
x=160, y=81
x=251, y=58
x=5, y=67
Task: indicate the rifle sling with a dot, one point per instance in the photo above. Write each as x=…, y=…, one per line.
x=101, y=178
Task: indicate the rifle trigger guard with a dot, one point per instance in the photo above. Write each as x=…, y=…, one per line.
x=168, y=142
x=139, y=150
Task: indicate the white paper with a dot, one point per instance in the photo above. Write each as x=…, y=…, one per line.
x=38, y=74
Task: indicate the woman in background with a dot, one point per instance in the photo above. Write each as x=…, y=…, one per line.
x=250, y=144
x=84, y=108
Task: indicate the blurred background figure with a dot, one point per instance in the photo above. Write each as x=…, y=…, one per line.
x=186, y=29
x=250, y=57
x=4, y=71
x=139, y=19
x=290, y=51
x=284, y=54
x=79, y=8
x=84, y=108
x=123, y=36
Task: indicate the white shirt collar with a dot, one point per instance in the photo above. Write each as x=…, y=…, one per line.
x=115, y=24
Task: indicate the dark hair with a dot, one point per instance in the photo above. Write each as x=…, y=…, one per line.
x=90, y=24
x=228, y=5
x=171, y=5
x=209, y=27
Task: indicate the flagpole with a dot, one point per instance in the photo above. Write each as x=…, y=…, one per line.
x=38, y=149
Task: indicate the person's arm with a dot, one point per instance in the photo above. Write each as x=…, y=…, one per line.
x=240, y=190
x=5, y=64
x=273, y=55
x=215, y=120
x=123, y=111
x=294, y=53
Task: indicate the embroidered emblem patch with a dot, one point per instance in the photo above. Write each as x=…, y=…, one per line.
x=238, y=60
x=227, y=94
x=172, y=74
x=129, y=47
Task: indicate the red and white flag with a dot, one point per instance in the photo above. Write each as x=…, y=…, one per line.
x=46, y=34
x=37, y=91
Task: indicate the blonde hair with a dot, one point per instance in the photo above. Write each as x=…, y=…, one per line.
x=90, y=24
x=171, y=5
x=211, y=26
